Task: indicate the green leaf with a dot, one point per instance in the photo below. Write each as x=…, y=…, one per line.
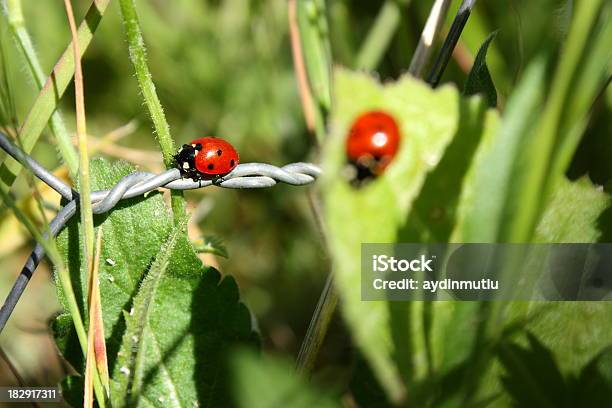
x=479, y=79
x=481, y=25
x=264, y=382
x=576, y=331
x=573, y=216
x=433, y=214
x=139, y=338
x=132, y=235
x=211, y=245
x=428, y=121
x=183, y=321
x=573, y=213
x=185, y=316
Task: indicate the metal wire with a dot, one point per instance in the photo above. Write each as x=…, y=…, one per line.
x=248, y=175
x=450, y=42
x=431, y=30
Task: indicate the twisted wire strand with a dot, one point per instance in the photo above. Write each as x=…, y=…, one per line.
x=450, y=42
x=247, y=175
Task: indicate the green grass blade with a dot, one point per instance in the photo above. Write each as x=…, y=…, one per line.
x=54, y=88
x=85, y=206
x=589, y=81
x=488, y=197
x=56, y=123
x=540, y=157
x=314, y=33
x=8, y=111
x=380, y=35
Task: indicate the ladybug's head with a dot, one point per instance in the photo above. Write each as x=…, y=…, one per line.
x=185, y=157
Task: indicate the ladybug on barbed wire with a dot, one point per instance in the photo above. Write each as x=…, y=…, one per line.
x=206, y=158
x=371, y=145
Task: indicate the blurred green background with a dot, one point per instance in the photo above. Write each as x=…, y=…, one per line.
x=224, y=68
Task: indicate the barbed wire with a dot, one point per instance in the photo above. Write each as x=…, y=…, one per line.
x=450, y=42
x=244, y=176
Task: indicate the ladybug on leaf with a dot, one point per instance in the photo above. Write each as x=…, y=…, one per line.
x=372, y=143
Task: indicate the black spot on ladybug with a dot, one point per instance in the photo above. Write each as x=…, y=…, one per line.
x=232, y=162
x=219, y=152
x=210, y=166
x=198, y=146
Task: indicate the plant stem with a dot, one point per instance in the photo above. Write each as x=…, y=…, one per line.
x=138, y=56
x=81, y=130
x=317, y=329
x=315, y=53
x=96, y=347
x=56, y=123
x=55, y=86
x=308, y=107
x=380, y=35
x=84, y=182
x=73, y=309
x=311, y=48
x=324, y=311
x=314, y=36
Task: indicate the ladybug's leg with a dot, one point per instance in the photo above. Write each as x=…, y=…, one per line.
x=194, y=174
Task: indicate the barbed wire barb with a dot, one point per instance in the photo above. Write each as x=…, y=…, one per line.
x=244, y=176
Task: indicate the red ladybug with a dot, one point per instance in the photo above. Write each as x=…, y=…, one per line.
x=372, y=143
x=206, y=158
